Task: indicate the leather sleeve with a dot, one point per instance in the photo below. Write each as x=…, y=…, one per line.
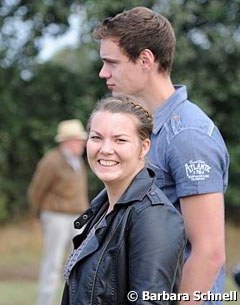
x=157, y=240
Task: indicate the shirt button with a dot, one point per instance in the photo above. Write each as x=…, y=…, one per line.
x=152, y=193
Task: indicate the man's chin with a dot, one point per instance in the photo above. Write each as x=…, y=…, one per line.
x=115, y=93
x=118, y=93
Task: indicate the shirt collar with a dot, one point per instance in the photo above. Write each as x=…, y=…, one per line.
x=72, y=160
x=162, y=113
x=66, y=152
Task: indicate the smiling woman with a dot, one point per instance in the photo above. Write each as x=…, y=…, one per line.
x=119, y=248
x=116, y=149
x=115, y=154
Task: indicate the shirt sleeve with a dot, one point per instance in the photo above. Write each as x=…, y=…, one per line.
x=198, y=162
x=156, y=245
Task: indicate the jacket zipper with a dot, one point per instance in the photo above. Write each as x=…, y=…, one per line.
x=100, y=259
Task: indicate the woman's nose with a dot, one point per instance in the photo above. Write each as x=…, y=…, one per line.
x=107, y=147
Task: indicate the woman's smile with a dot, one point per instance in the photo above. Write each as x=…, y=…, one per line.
x=107, y=163
x=113, y=147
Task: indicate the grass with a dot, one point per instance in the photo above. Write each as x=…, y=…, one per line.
x=17, y=292
x=20, y=248
x=21, y=292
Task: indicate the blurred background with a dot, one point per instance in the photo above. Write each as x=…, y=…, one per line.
x=49, y=68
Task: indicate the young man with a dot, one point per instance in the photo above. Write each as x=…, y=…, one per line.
x=59, y=193
x=188, y=152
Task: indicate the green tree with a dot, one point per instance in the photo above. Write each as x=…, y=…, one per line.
x=31, y=112
x=34, y=97
x=23, y=23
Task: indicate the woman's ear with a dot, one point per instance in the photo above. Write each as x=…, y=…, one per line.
x=145, y=148
x=147, y=59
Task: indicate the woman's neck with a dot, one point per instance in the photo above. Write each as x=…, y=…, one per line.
x=114, y=193
x=115, y=190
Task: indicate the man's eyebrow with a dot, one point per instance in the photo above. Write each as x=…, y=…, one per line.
x=108, y=59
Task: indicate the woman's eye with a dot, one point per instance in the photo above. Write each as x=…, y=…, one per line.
x=95, y=138
x=121, y=140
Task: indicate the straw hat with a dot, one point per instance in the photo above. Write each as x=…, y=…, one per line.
x=70, y=130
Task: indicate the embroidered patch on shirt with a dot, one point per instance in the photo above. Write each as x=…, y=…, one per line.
x=197, y=170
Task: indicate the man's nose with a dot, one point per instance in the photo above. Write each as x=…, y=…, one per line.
x=104, y=72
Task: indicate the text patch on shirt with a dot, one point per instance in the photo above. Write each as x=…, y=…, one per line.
x=197, y=170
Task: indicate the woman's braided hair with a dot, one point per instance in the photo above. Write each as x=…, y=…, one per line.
x=128, y=105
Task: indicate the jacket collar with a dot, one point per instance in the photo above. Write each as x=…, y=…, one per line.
x=135, y=192
x=138, y=187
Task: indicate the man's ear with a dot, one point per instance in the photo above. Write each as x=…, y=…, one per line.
x=147, y=59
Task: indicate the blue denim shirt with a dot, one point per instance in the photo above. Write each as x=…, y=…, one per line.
x=188, y=155
x=188, y=152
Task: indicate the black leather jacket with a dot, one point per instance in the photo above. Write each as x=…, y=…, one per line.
x=138, y=247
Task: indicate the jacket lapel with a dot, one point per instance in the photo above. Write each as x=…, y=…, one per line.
x=93, y=239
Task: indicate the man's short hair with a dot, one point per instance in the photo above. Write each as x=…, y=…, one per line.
x=138, y=29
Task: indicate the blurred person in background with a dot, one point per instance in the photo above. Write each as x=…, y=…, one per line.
x=58, y=193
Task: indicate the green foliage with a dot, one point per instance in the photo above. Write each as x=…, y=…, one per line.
x=3, y=208
x=97, y=10
x=34, y=97
x=23, y=22
x=32, y=110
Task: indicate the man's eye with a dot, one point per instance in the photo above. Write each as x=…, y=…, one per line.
x=110, y=62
